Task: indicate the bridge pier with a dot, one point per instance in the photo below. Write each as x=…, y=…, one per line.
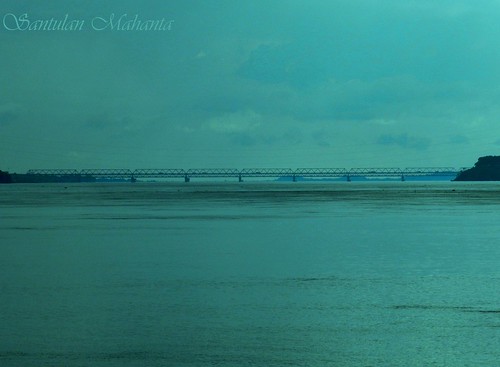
x=186, y=178
x=403, y=178
x=294, y=178
x=240, y=179
x=348, y=178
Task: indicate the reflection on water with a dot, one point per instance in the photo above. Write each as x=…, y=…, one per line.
x=232, y=274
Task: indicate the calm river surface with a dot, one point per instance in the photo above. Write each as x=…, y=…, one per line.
x=250, y=274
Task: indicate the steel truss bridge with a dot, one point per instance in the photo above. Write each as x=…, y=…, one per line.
x=293, y=174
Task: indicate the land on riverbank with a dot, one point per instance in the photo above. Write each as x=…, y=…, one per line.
x=486, y=169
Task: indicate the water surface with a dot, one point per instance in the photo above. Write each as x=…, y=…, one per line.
x=264, y=274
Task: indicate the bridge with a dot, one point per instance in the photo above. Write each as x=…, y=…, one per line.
x=240, y=174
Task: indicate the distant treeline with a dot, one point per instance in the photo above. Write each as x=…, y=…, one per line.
x=5, y=177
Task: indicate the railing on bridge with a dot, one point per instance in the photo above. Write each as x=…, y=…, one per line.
x=107, y=173
x=251, y=173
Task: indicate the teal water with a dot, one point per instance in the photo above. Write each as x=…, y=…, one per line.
x=289, y=274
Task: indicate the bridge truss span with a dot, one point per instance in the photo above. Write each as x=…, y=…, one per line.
x=427, y=171
x=158, y=173
x=375, y=172
x=107, y=173
x=212, y=172
x=266, y=172
x=320, y=172
x=367, y=172
x=53, y=172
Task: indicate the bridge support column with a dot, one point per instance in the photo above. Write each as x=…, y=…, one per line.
x=186, y=178
x=402, y=178
x=240, y=179
x=348, y=178
x=294, y=178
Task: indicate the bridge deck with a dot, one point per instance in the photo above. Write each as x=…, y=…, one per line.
x=251, y=172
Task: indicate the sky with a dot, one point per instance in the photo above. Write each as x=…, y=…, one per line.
x=249, y=84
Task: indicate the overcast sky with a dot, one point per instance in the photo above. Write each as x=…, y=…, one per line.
x=250, y=83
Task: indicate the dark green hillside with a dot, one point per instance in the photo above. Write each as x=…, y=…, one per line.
x=486, y=169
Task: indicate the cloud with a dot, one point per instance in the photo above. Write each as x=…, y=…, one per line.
x=292, y=63
x=354, y=77
x=322, y=138
x=200, y=55
x=404, y=141
x=9, y=113
x=386, y=100
x=236, y=122
x=459, y=139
